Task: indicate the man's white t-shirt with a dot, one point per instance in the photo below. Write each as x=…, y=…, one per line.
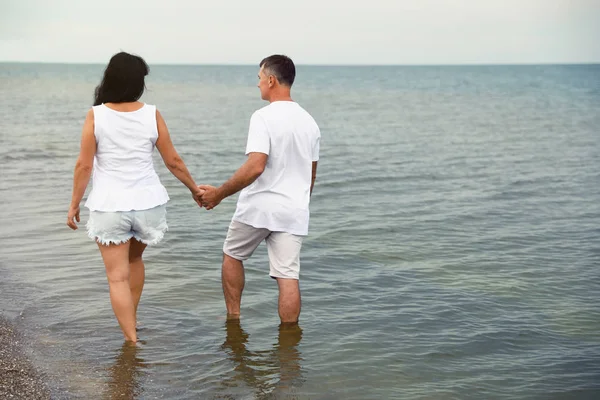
x=278, y=200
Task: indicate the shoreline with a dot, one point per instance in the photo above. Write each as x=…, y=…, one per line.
x=18, y=377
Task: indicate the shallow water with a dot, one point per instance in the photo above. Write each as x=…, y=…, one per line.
x=454, y=247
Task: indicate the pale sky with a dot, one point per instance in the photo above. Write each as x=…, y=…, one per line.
x=309, y=31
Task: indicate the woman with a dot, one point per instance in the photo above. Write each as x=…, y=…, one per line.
x=127, y=201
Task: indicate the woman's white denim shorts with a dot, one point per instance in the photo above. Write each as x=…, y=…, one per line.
x=146, y=226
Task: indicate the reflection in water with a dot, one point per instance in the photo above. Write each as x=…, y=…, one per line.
x=289, y=357
x=124, y=374
x=270, y=373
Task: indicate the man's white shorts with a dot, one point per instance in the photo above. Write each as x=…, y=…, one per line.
x=283, y=248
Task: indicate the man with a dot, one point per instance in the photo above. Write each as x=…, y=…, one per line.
x=277, y=181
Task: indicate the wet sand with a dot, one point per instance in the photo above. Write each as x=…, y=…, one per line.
x=18, y=377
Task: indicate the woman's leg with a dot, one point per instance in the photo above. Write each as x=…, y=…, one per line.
x=136, y=272
x=116, y=261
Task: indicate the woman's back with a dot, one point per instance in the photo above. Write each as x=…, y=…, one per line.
x=127, y=202
x=124, y=177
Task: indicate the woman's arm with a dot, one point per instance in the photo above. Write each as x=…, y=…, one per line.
x=172, y=160
x=83, y=168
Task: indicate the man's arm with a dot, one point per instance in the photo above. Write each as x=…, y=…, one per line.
x=314, y=176
x=244, y=176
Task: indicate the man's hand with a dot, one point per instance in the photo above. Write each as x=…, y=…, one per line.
x=211, y=196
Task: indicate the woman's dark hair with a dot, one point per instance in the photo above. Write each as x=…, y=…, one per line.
x=123, y=80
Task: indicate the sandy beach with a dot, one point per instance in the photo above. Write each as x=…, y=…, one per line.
x=18, y=378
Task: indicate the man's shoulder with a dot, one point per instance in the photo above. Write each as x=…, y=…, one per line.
x=308, y=118
x=261, y=112
x=276, y=111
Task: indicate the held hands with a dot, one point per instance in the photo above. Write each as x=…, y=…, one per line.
x=197, y=196
x=210, y=197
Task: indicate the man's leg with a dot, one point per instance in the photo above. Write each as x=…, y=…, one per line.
x=284, y=260
x=289, y=300
x=240, y=243
x=232, y=279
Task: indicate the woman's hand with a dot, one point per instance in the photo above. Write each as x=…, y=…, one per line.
x=73, y=216
x=197, y=195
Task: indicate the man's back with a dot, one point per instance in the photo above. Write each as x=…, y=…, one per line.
x=278, y=200
x=276, y=181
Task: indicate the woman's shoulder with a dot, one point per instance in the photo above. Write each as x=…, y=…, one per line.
x=91, y=112
x=150, y=108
